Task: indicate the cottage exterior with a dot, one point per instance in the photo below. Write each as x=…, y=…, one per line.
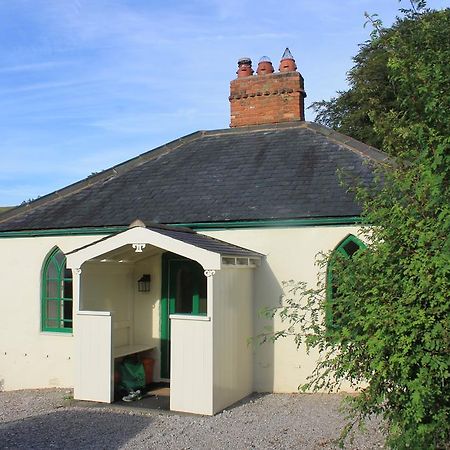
x=176, y=252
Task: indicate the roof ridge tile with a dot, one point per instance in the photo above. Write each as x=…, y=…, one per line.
x=350, y=143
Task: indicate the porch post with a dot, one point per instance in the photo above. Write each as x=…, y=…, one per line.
x=209, y=274
x=76, y=280
x=76, y=289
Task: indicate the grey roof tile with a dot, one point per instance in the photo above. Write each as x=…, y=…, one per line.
x=283, y=171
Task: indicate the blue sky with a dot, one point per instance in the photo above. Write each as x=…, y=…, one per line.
x=86, y=84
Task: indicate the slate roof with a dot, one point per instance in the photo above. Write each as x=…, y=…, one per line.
x=282, y=171
x=191, y=237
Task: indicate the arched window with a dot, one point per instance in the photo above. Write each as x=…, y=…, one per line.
x=56, y=312
x=346, y=248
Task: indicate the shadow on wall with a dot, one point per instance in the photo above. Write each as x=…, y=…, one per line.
x=267, y=293
x=73, y=429
x=2, y=384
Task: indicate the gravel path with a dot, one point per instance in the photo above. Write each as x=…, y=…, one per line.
x=48, y=419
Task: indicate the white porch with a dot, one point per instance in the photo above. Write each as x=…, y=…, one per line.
x=210, y=360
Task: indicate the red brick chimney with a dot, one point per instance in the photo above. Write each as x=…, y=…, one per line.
x=267, y=97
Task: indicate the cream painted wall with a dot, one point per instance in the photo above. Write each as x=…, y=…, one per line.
x=30, y=358
x=107, y=287
x=291, y=253
x=232, y=325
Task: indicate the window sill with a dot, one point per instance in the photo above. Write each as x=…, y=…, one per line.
x=56, y=333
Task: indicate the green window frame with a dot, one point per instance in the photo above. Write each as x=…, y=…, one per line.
x=346, y=248
x=56, y=294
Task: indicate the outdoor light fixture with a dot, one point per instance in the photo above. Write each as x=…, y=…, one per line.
x=144, y=283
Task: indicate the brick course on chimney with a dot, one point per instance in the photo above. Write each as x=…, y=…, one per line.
x=267, y=97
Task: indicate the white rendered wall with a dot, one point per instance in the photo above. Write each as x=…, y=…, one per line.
x=232, y=326
x=291, y=253
x=30, y=358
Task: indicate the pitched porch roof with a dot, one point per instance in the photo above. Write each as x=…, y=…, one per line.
x=205, y=250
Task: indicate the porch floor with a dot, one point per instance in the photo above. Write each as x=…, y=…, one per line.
x=157, y=397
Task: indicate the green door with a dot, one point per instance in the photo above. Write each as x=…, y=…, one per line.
x=183, y=292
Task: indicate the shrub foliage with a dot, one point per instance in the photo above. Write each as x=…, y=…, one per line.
x=391, y=306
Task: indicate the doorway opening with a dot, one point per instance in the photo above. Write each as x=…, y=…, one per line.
x=183, y=292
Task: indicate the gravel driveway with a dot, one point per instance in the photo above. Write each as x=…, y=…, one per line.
x=48, y=419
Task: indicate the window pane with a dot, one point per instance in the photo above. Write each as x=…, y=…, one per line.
x=52, y=323
x=53, y=309
x=53, y=289
x=351, y=248
x=184, y=291
x=67, y=311
x=67, y=289
x=52, y=270
x=60, y=258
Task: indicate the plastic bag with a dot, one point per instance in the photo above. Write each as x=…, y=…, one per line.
x=132, y=375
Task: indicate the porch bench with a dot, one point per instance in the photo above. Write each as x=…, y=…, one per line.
x=125, y=350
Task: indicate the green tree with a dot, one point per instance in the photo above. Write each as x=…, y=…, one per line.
x=370, y=89
x=390, y=303
x=373, y=89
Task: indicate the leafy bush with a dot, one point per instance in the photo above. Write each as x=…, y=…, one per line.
x=391, y=305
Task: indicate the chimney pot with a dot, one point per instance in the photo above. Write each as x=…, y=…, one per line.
x=264, y=66
x=287, y=63
x=244, y=67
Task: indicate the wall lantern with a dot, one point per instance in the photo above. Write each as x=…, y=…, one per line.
x=144, y=283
